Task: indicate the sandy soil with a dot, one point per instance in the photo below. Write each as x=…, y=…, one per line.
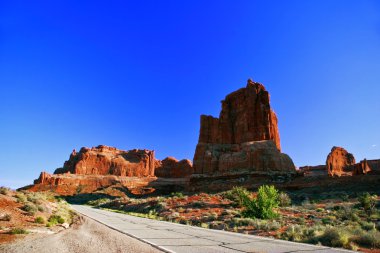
x=84, y=236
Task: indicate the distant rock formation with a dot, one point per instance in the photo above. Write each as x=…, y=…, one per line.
x=102, y=166
x=245, y=137
x=172, y=168
x=104, y=160
x=339, y=162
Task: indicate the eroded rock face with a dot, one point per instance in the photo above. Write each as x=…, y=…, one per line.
x=104, y=160
x=244, y=138
x=339, y=162
x=172, y=168
x=246, y=116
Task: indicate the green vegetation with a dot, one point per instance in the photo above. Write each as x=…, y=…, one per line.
x=4, y=190
x=39, y=220
x=263, y=205
x=368, y=202
x=18, y=231
x=54, y=220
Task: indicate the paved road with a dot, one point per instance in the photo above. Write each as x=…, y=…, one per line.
x=172, y=237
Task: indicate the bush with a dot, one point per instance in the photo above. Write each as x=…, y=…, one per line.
x=237, y=194
x=284, y=199
x=368, y=202
x=4, y=190
x=55, y=219
x=39, y=220
x=17, y=231
x=334, y=237
x=177, y=194
x=30, y=208
x=368, y=239
x=263, y=206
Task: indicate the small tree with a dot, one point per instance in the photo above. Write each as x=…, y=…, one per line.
x=368, y=202
x=263, y=205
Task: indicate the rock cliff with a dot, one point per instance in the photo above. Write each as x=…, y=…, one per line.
x=339, y=162
x=245, y=137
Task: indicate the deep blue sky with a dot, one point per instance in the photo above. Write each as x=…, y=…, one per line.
x=138, y=74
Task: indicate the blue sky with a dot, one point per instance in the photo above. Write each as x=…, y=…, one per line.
x=138, y=74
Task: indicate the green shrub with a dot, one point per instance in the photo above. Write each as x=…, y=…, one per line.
x=17, y=231
x=237, y=194
x=177, y=194
x=21, y=198
x=368, y=202
x=4, y=190
x=284, y=199
x=55, y=219
x=30, y=208
x=334, y=237
x=368, y=239
x=263, y=205
x=39, y=220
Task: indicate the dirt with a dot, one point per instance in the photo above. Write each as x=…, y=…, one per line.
x=85, y=235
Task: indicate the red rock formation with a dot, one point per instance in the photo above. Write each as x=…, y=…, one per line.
x=244, y=138
x=361, y=168
x=172, y=168
x=246, y=116
x=104, y=160
x=69, y=184
x=338, y=162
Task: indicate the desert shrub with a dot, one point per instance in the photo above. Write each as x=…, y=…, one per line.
x=56, y=219
x=237, y=194
x=334, y=237
x=367, y=238
x=99, y=202
x=198, y=204
x=263, y=205
x=39, y=220
x=17, y=231
x=368, y=202
x=4, y=190
x=30, y=208
x=6, y=217
x=284, y=199
x=367, y=225
x=40, y=208
x=177, y=194
x=204, y=225
x=21, y=198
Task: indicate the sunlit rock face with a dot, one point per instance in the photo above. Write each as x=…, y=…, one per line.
x=339, y=162
x=245, y=137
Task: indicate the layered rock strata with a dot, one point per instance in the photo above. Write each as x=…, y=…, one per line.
x=339, y=162
x=244, y=138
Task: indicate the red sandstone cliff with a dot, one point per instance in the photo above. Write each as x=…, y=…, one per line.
x=338, y=162
x=245, y=137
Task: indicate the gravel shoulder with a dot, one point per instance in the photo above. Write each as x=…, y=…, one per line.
x=84, y=236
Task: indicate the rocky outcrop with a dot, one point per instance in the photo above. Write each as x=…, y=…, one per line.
x=244, y=138
x=104, y=160
x=172, y=168
x=99, y=167
x=246, y=116
x=339, y=162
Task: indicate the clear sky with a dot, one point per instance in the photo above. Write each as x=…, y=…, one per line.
x=138, y=74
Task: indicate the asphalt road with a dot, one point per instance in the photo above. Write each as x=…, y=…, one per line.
x=172, y=237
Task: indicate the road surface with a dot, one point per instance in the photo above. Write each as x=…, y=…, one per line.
x=172, y=237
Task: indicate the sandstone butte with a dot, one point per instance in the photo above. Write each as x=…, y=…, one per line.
x=243, y=140
x=245, y=137
x=103, y=166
